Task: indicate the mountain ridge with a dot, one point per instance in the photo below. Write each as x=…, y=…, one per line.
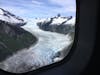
x=13, y=37
x=11, y=18
x=57, y=24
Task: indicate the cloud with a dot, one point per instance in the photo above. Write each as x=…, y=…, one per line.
x=37, y=2
x=65, y=10
x=66, y=5
x=39, y=8
x=63, y=2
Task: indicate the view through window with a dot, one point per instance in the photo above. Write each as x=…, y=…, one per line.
x=35, y=33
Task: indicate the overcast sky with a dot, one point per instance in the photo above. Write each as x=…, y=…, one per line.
x=39, y=8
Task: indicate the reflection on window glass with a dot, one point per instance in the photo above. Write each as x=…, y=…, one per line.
x=35, y=33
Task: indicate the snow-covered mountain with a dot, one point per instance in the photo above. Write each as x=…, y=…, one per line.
x=58, y=20
x=10, y=18
x=12, y=36
x=57, y=24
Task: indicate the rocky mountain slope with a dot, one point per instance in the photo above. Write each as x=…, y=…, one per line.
x=58, y=24
x=12, y=36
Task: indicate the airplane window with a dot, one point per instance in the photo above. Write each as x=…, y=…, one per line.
x=35, y=33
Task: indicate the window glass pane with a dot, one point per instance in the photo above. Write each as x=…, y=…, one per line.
x=35, y=33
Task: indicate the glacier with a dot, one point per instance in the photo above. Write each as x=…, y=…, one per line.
x=50, y=48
